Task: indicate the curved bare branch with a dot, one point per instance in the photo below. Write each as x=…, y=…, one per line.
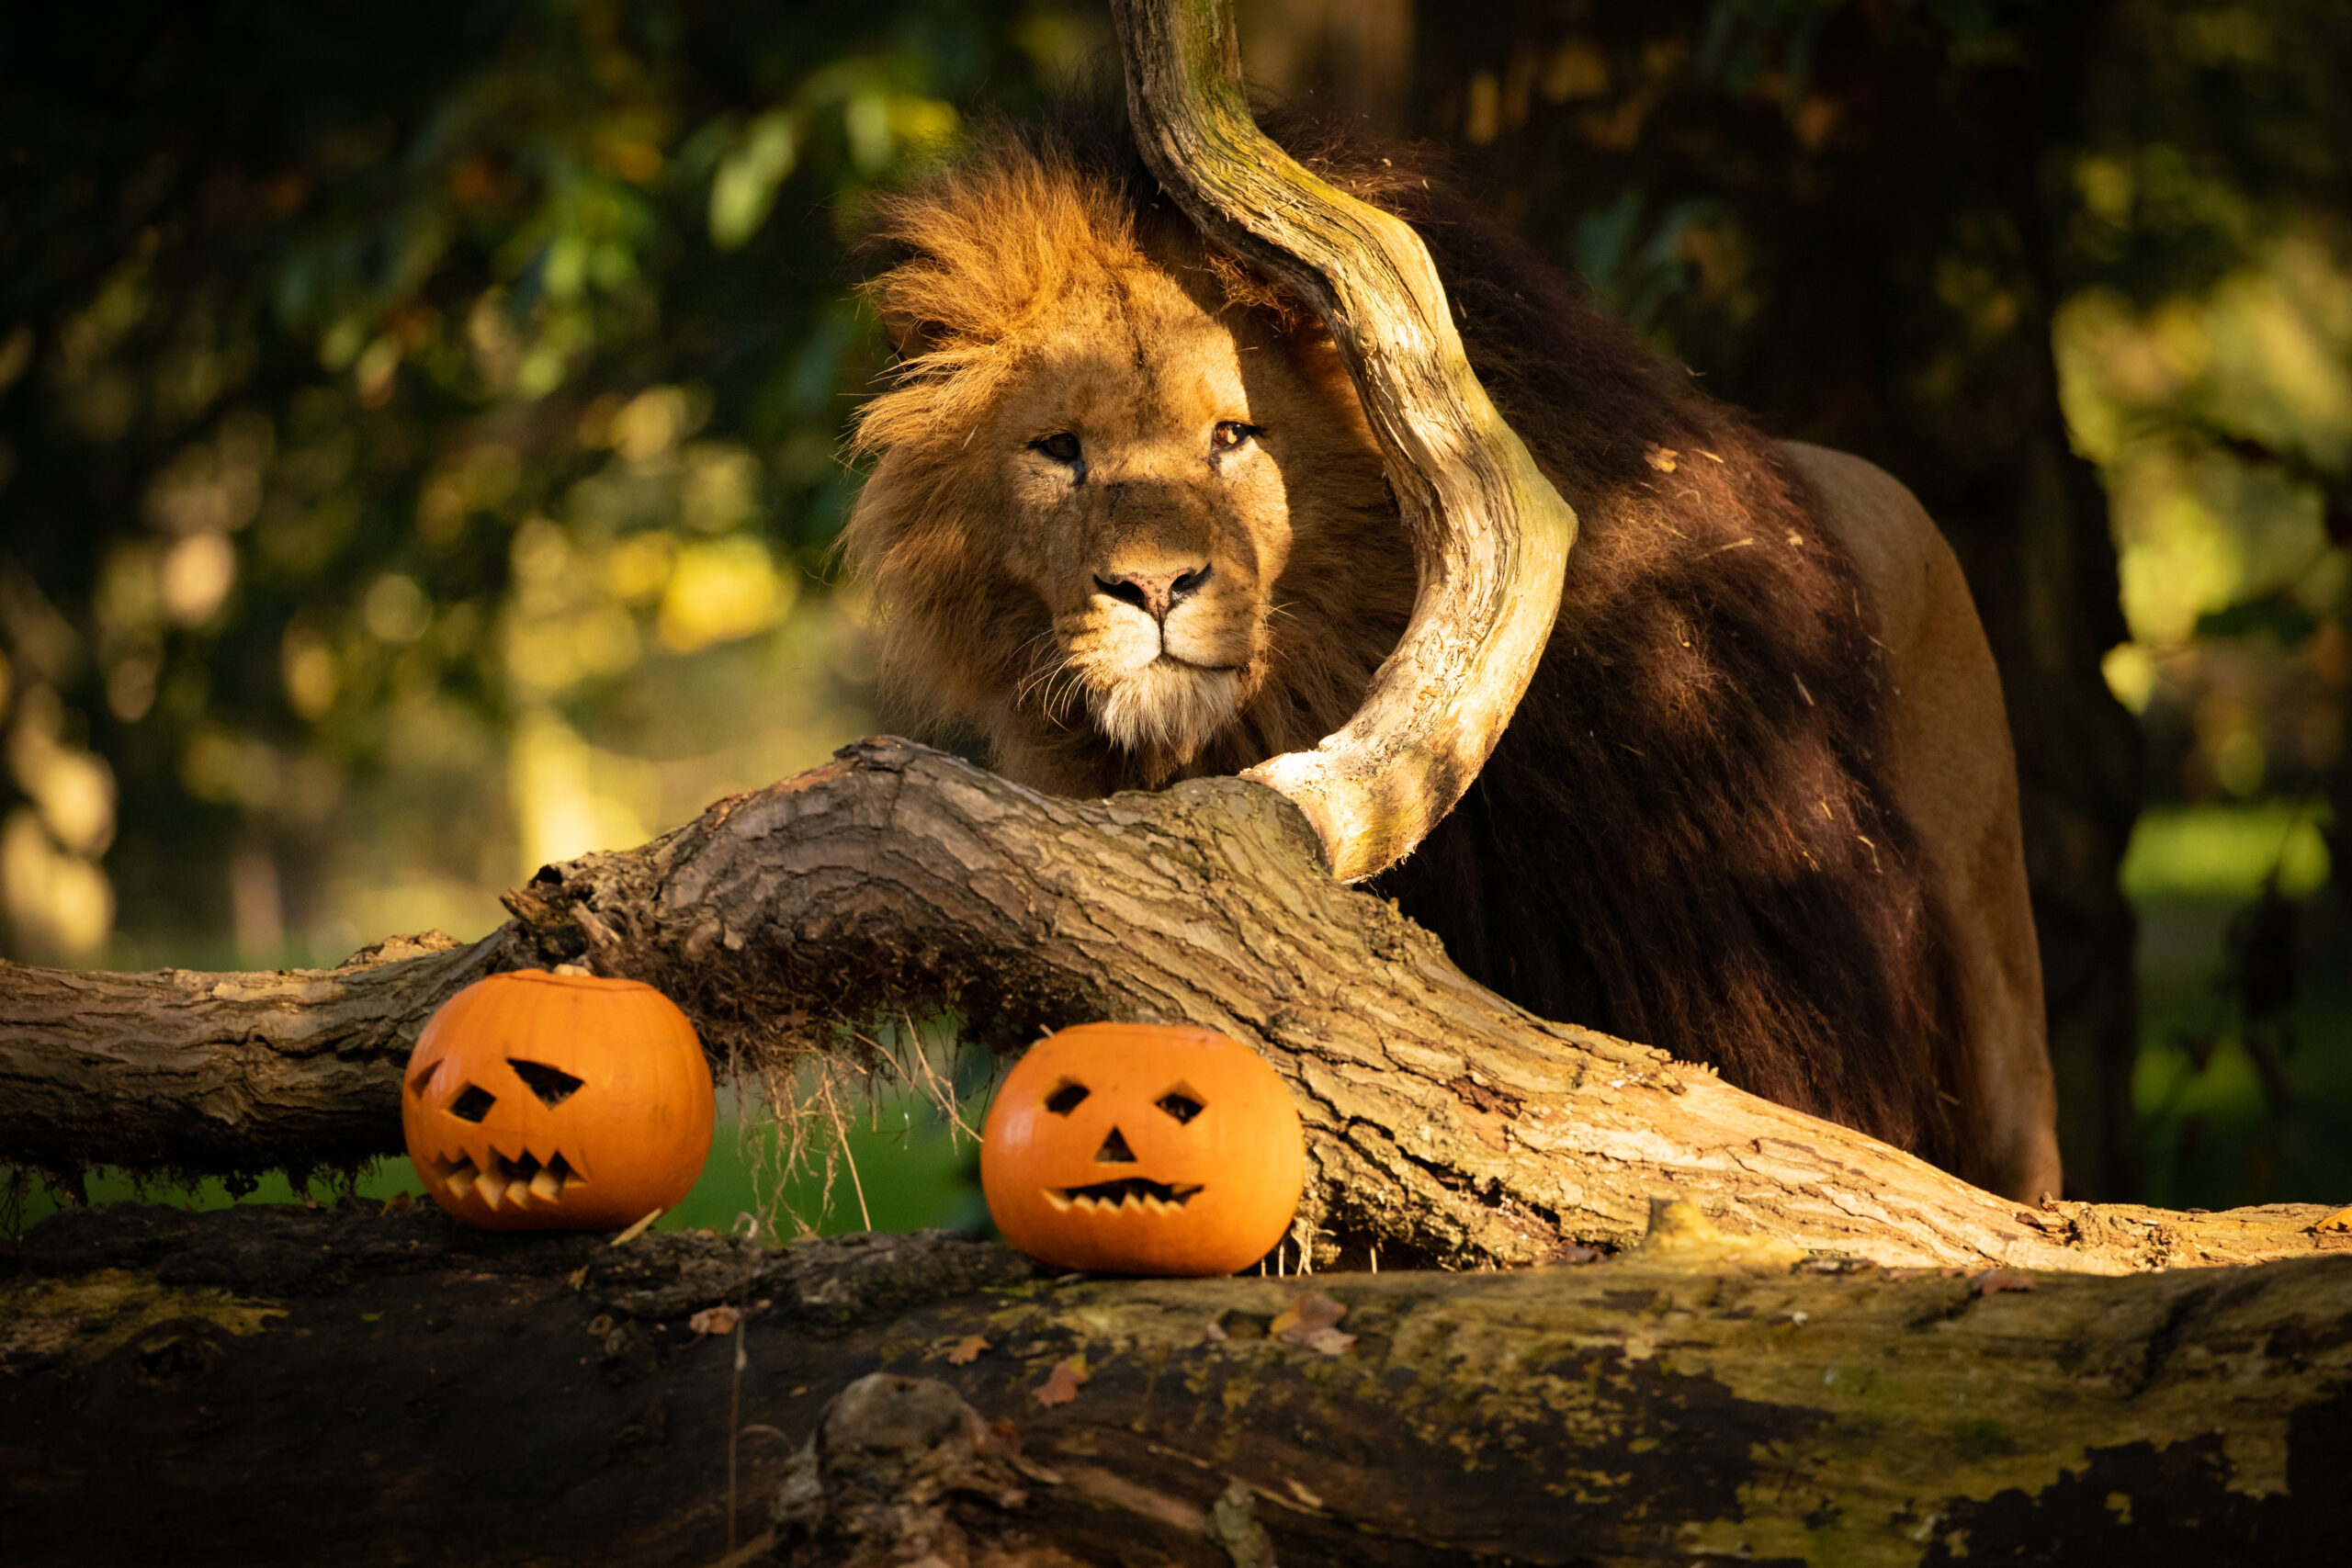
x=1490, y=534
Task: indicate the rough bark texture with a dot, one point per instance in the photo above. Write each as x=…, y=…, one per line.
x=219, y=1073
x=1445, y=1125
x=1489, y=532
x=283, y=1386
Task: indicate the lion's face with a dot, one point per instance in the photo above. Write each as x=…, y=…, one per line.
x=1145, y=503
x=1127, y=530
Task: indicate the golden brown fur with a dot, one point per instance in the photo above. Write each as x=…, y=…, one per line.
x=1035, y=303
x=1128, y=525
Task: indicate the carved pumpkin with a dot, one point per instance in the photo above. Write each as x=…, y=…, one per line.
x=557, y=1102
x=1131, y=1148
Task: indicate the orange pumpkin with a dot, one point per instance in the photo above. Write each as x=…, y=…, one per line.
x=557, y=1102
x=1131, y=1148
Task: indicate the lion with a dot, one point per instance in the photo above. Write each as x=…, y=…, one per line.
x=1126, y=524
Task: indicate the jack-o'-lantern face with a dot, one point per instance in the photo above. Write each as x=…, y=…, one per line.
x=1142, y=1149
x=557, y=1102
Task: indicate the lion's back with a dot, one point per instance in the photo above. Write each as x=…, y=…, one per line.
x=1713, y=822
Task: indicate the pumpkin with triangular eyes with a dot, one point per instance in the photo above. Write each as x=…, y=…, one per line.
x=1130, y=1148
x=557, y=1102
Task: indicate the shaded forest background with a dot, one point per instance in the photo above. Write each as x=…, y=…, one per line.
x=421, y=432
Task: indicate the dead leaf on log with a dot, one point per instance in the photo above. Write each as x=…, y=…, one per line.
x=1061, y=1385
x=968, y=1349
x=715, y=1319
x=1307, y=1311
x=2337, y=1224
x=1310, y=1320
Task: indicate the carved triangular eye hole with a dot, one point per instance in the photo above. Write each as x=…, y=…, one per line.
x=552, y=1085
x=1115, y=1151
x=1181, y=1103
x=1066, y=1098
x=422, y=1076
x=473, y=1103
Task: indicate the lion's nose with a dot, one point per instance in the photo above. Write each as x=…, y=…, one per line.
x=1154, y=592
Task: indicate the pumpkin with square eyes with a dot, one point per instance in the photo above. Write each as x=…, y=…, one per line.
x=557, y=1102
x=1130, y=1148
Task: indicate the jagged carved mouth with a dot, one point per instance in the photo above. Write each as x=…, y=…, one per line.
x=519, y=1182
x=1128, y=1193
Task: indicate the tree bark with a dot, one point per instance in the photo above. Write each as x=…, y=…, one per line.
x=1445, y=1125
x=221, y=1074
x=288, y=1386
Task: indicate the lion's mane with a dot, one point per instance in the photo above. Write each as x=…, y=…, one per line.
x=1687, y=835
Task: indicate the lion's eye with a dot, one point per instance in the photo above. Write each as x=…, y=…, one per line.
x=1061, y=446
x=1230, y=434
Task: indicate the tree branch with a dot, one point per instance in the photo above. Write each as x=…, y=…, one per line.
x=1445, y=1125
x=1490, y=534
x=176, y=1070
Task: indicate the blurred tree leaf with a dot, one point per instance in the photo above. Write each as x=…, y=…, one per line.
x=382, y=387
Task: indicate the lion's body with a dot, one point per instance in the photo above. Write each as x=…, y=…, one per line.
x=1757, y=806
x=1955, y=780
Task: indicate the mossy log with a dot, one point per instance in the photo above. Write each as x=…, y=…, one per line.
x=288, y=1386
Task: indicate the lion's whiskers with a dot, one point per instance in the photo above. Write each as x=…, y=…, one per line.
x=1052, y=684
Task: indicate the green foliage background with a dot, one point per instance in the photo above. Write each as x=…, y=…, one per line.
x=420, y=432
x=423, y=424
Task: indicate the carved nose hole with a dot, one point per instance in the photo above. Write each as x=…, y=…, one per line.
x=552, y=1085
x=1066, y=1099
x=1115, y=1151
x=473, y=1103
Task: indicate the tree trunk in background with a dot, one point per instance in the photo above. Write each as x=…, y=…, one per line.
x=1861, y=241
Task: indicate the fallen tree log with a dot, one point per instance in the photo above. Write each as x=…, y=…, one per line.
x=202, y=1074
x=288, y=1386
x=1445, y=1126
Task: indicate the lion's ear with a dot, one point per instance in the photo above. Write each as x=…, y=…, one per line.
x=903, y=293
x=1252, y=290
x=911, y=333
